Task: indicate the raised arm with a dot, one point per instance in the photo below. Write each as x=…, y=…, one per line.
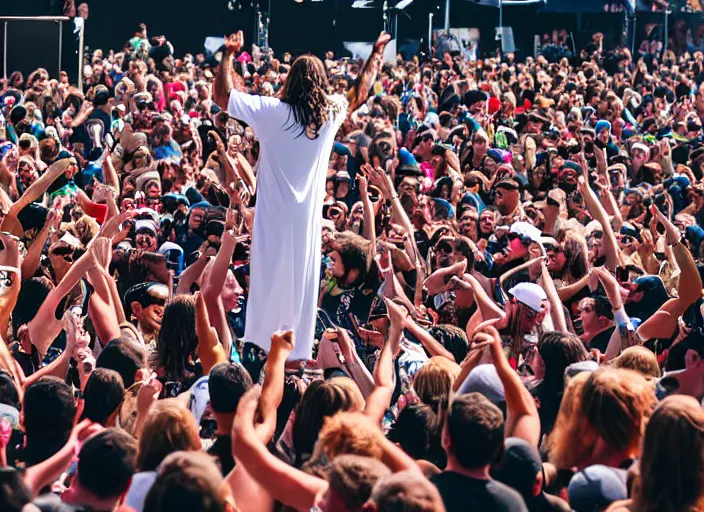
x=557, y=312
x=34, y=254
x=369, y=231
x=46, y=326
x=360, y=90
x=191, y=274
x=227, y=78
x=101, y=308
x=362, y=377
x=379, y=400
x=218, y=273
x=109, y=173
x=284, y=483
x=487, y=306
x=36, y=190
x=522, y=418
x=437, y=281
x=433, y=346
x=59, y=366
x=246, y=172
x=273, y=389
x=664, y=322
x=210, y=349
x=596, y=210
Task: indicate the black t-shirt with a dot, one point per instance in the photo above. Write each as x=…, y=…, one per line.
x=222, y=450
x=464, y=494
x=601, y=340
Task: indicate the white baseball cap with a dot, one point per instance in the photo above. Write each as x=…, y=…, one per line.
x=529, y=294
x=527, y=230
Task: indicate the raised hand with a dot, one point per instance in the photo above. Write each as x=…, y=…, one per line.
x=84, y=430
x=611, y=286
x=672, y=234
x=86, y=364
x=234, y=43
x=328, y=356
x=148, y=394
x=101, y=251
x=381, y=42
x=283, y=341
x=230, y=219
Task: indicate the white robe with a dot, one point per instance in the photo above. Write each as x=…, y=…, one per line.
x=286, y=242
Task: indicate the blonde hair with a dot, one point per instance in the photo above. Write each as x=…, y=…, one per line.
x=613, y=404
x=349, y=433
x=86, y=229
x=433, y=382
x=639, y=359
x=169, y=427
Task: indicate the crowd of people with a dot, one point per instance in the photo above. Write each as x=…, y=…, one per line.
x=509, y=315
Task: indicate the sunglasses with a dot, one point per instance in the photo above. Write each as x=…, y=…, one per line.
x=443, y=247
x=63, y=251
x=524, y=239
x=597, y=234
x=553, y=248
x=530, y=313
x=531, y=213
x=551, y=202
x=627, y=239
x=587, y=308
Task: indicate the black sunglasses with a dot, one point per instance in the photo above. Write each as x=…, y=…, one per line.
x=63, y=251
x=524, y=239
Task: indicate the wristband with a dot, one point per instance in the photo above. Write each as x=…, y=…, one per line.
x=681, y=240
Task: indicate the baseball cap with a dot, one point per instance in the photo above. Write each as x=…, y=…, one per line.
x=579, y=367
x=640, y=146
x=527, y=230
x=629, y=229
x=484, y=380
x=529, y=294
x=509, y=184
x=596, y=487
x=520, y=464
x=145, y=224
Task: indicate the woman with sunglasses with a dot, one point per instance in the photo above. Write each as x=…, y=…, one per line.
x=567, y=262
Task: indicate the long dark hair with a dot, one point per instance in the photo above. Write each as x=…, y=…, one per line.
x=305, y=91
x=177, y=338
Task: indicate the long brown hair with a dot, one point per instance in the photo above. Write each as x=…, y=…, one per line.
x=672, y=464
x=305, y=91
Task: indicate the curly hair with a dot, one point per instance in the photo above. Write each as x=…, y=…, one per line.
x=305, y=91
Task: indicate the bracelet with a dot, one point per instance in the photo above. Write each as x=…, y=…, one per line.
x=679, y=241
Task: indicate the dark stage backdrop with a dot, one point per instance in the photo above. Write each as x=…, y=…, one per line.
x=308, y=26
